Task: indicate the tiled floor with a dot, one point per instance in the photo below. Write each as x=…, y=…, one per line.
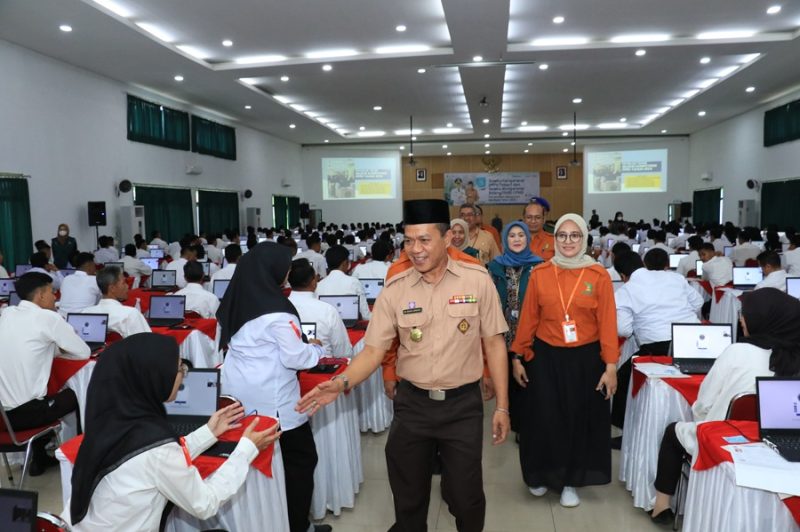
x=510, y=508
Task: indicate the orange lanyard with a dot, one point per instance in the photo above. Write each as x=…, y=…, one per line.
x=572, y=295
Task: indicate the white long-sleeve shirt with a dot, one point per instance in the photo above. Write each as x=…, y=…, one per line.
x=372, y=270
x=135, y=267
x=792, y=258
x=78, y=291
x=651, y=301
x=225, y=274
x=688, y=263
x=30, y=337
x=734, y=372
x=177, y=265
x=317, y=260
x=776, y=279
x=330, y=327
x=103, y=255
x=55, y=276
x=3, y=272
x=199, y=300
x=261, y=366
x=123, y=320
x=133, y=496
x=718, y=271
x=338, y=283
x=744, y=252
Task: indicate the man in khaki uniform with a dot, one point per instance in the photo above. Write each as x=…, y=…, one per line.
x=440, y=310
x=477, y=237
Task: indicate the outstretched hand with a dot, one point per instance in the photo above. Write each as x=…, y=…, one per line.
x=322, y=394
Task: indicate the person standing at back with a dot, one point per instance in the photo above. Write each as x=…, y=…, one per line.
x=63, y=246
x=542, y=243
x=477, y=238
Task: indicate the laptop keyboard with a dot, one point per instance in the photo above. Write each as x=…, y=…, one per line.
x=185, y=428
x=786, y=442
x=695, y=367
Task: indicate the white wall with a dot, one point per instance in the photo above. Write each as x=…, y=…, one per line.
x=66, y=127
x=341, y=211
x=644, y=206
x=733, y=151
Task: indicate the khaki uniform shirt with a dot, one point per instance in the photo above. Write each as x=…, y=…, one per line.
x=452, y=316
x=485, y=244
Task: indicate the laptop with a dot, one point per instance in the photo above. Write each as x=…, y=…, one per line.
x=92, y=328
x=746, y=277
x=363, y=250
x=18, y=510
x=157, y=253
x=695, y=346
x=13, y=299
x=120, y=265
x=166, y=311
x=372, y=287
x=617, y=285
x=778, y=401
x=6, y=287
x=727, y=251
x=206, y=270
x=309, y=329
x=635, y=248
x=698, y=267
x=153, y=246
x=22, y=269
x=674, y=260
x=792, y=286
x=152, y=262
x=220, y=287
x=346, y=306
x=163, y=280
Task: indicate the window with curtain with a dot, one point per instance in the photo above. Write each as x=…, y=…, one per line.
x=280, y=211
x=211, y=138
x=779, y=203
x=16, y=237
x=706, y=206
x=217, y=211
x=156, y=124
x=168, y=210
x=782, y=124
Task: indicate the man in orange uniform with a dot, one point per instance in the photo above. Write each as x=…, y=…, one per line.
x=488, y=228
x=542, y=243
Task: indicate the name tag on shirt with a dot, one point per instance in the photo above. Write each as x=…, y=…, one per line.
x=570, y=331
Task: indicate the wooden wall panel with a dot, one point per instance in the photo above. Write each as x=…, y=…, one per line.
x=564, y=195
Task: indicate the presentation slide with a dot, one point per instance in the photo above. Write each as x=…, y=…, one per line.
x=359, y=178
x=627, y=171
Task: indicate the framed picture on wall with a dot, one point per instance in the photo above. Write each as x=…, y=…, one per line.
x=422, y=174
x=561, y=172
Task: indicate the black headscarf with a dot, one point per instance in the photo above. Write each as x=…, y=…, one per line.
x=773, y=322
x=255, y=288
x=125, y=413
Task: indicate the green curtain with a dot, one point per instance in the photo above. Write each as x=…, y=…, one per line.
x=218, y=211
x=280, y=211
x=294, y=210
x=782, y=124
x=705, y=206
x=168, y=210
x=16, y=237
x=779, y=203
x=156, y=124
x=211, y=138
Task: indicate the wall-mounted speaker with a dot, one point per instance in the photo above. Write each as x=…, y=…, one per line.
x=248, y=194
x=305, y=210
x=97, y=213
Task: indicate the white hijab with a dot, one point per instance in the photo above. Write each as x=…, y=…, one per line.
x=465, y=227
x=581, y=260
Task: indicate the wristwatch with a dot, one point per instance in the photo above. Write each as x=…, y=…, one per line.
x=519, y=357
x=344, y=379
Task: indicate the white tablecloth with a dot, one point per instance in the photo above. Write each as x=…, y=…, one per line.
x=727, y=310
x=201, y=350
x=375, y=410
x=715, y=503
x=260, y=504
x=647, y=415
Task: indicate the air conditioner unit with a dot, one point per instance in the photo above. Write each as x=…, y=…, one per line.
x=748, y=213
x=253, y=216
x=131, y=222
x=193, y=169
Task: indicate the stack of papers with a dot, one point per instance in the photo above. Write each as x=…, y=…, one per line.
x=656, y=371
x=757, y=466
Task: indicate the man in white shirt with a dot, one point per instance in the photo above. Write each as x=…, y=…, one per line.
x=187, y=254
x=330, y=327
x=40, y=264
x=106, y=252
x=774, y=275
x=382, y=255
x=338, y=283
x=123, y=320
x=716, y=270
x=232, y=254
x=745, y=250
x=80, y=290
x=155, y=240
x=680, y=240
x=659, y=242
x=198, y=299
x=689, y=262
x=314, y=256
x=792, y=257
x=32, y=334
x=134, y=266
x=142, y=251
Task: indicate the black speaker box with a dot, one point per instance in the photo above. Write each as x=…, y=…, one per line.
x=97, y=213
x=305, y=210
x=686, y=209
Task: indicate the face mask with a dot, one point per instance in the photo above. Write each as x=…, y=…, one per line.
x=62, y=233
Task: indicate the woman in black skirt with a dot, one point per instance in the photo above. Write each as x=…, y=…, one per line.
x=567, y=336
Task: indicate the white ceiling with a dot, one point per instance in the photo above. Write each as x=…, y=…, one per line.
x=613, y=82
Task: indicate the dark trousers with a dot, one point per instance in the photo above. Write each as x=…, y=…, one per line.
x=40, y=412
x=670, y=462
x=620, y=400
x=299, y=460
x=454, y=427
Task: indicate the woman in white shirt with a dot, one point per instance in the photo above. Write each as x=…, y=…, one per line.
x=771, y=345
x=266, y=349
x=131, y=462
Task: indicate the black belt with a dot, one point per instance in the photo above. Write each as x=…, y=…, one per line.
x=441, y=395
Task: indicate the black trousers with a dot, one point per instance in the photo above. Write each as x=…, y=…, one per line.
x=670, y=462
x=299, y=460
x=40, y=412
x=620, y=401
x=454, y=427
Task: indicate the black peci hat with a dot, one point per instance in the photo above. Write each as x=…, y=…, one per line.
x=426, y=211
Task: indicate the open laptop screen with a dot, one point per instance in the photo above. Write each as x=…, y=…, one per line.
x=197, y=395
x=747, y=276
x=778, y=403
x=166, y=307
x=793, y=286
x=346, y=306
x=698, y=266
x=698, y=340
x=220, y=286
x=157, y=253
x=372, y=287
x=18, y=510
x=152, y=262
x=164, y=278
x=674, y=260
x=90, y=327
x=22, y=269
x=309, y=329
x=727, y=251
x=6, y=287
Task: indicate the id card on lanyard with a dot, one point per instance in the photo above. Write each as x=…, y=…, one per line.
x=568, y=326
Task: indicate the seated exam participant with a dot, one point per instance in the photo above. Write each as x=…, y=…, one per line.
x=338, y=283
x=40, y=264
x=382, y=255
x=132, y=265
x=198, y=299
x=774, y=275
x=188, y=253
x=716, y=270
x=80, y=289
x=123, y=320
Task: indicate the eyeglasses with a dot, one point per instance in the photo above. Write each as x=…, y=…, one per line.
x=572, y=237
x=184, y=369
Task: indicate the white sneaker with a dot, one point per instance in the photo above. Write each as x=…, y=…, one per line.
x=569, y=497
x=538, y=492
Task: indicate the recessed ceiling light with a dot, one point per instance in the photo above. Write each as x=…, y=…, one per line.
x=570, y=127
x=640, y=52
x=249, y=81
x=728, y=34
x=371, y=133
x=477, y=58
x=572, y=143
x=486, y=145
x=749, y=58
x=565, y=150
x=444, y=146
x=524, y=123
x=446, y=130
x=449, y=124
x=292, y=126
x=402, y=147
x=559, y=41
x=691, y=93
x=701, y=113
x=377, y=108
x=676, y=102
x=663, y=131
x=623, y=119
x=414, y=138
x=311, y=114
x=449, y=153
x=327, y=68
x=256, y=59
x=544, y=66
x=401, y=132
x=577, y=100
x=611, y=125
x=421, y=71
x=248, y=106
x=193, y=51
x=641, y=37
x=114, y=8
x=178, y=78
x=297, y=107
x=400, y=27
x=533, y=128
x=558, y=20
x=530, y=144
x=725, y=72
x=773, y=10
x=485, y=120
x=362, y=128
x=66, y=28
x=284, y=78
x=227, y=43
x=564, y=134
x=750, y=89
x=707, y=82
x=487, y=152
x=402, y=49
x=156, y=32
x=705, y=60
x=486, y=136
x=327, y=141
x=525, y=151
x=327, y=54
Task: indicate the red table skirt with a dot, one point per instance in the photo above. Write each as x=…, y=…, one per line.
x=308, y=381
x=688, y=387
x=206, y=464
x=63, y=369
x=207, y=326
x=355, y=335
x=143, y=296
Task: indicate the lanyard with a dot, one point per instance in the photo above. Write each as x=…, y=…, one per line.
x=572, y=295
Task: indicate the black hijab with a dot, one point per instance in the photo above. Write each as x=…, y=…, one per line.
x=125, y=413
x=773, y=322
x=255, y=288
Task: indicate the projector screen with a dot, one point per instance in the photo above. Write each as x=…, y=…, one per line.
x=359, y=178
x=627, y=171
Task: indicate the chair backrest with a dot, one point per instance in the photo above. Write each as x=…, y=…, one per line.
x=5, y=427
x=226, y=400
x=751, y=263
x=47, y=522
x=113, y=336
x=192, y=315
x=743, y=407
